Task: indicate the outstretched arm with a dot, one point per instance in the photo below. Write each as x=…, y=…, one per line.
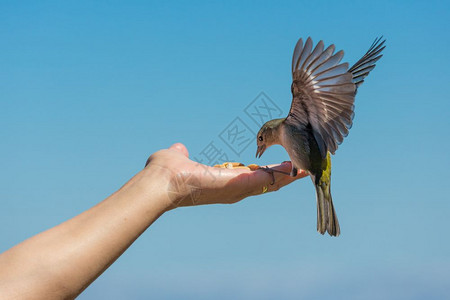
x=61, y=262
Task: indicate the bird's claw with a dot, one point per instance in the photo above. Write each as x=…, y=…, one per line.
x=270, y=171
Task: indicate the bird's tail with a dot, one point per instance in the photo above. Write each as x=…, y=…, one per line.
x=326, y=215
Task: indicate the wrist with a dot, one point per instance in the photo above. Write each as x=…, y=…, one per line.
x=160, y=186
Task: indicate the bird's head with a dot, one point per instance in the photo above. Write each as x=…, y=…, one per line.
x=268, y=135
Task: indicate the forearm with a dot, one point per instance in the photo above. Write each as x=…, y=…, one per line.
x=62, y=261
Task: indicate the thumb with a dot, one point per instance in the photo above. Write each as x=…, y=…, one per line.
x=180, y=148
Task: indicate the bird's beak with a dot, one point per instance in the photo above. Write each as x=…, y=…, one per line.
x=260, y=150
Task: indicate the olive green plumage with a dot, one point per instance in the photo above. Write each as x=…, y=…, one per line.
x=326, y=215
x=320, y=117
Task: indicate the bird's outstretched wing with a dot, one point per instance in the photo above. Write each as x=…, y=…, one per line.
x=323, y=94
x=362, y=67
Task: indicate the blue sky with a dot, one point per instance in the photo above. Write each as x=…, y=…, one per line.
x=88, y=90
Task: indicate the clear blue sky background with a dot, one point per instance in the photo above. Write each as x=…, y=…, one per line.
x=89, y=89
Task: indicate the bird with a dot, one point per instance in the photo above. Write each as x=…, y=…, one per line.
x=320, y=116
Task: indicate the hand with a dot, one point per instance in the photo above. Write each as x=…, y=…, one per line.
x=62, y=261
x=191, y=183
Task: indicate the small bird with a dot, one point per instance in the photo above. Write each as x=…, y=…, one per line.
x=320, y=116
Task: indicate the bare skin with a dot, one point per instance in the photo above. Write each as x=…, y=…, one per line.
x=61, y=262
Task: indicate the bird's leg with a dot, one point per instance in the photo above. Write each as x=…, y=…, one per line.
x=294, y=172
x=271, y=171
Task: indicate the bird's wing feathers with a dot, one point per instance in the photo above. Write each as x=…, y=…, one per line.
x=362, y=67
x=323, y=94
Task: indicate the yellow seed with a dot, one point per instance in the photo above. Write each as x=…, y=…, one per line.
x=253, y=167
x=237, y=165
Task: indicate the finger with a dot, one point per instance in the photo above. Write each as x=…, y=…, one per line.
x=247, y=182
x=278, y=180
x=281, y=174
x=283, y=180
x=180, y=148
x=287, y=167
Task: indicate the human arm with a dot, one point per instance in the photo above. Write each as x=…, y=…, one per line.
x=61, y=262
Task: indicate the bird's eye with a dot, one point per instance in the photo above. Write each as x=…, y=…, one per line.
x=260, y=138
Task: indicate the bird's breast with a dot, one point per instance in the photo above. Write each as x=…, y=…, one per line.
x=296, y=143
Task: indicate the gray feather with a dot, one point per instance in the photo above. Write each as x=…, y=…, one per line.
x=323, y=94
x=365, y=64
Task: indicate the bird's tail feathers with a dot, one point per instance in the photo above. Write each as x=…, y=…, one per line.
x=326, y=215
